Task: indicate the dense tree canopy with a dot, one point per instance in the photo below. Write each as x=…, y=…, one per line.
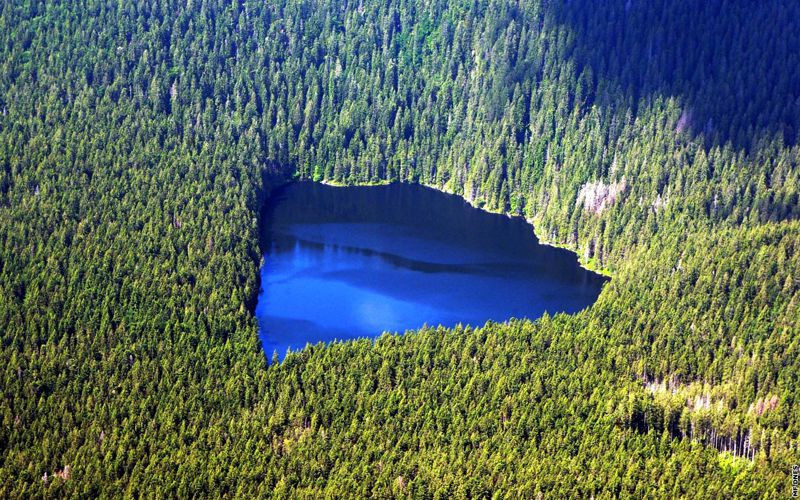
x=658, y=140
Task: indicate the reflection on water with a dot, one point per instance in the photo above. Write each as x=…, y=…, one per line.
x=353, y=262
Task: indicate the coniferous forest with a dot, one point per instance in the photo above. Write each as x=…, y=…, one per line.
x=658, y=140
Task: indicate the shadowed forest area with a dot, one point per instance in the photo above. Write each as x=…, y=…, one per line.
x=726, y=62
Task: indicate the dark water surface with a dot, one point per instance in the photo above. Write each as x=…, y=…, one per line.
x=351, y=262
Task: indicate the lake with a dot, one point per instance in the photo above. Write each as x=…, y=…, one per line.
x=349, y=262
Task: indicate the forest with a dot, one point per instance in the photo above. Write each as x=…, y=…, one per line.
x=657, y=140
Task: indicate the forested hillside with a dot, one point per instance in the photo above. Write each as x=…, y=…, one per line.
x=658, y=140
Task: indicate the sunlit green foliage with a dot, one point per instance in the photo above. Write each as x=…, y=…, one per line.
x=138, y=140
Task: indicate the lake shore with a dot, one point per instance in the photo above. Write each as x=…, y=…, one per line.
x=589, y=265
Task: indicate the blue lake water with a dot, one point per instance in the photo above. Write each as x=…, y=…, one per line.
x=349, y=262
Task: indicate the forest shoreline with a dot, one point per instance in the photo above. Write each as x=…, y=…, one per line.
x=583, y=263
